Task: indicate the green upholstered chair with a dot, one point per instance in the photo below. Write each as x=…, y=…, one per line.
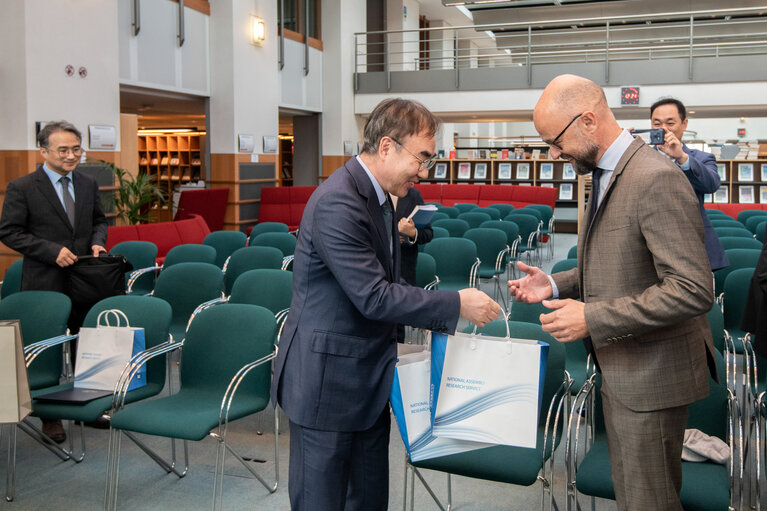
x=263, y=227
x=185, y=286
x=761, y=231
x=529, y=230
x=250, y=258
x=493, y=253
x=225, y=243
x=734, y=298
x=283, y=241
x=268, y=288
x=729, y=242
x=756, y=414
x=474, y=218
x=426, y=271
x=716, y=213
x=547, y=230
x=457, y=263
x=705, y=486
x=151, y=314
x=449, y=210
x=733, y=231
x=495, y=214
x=505, y=464
x=185, y=253
x=726, y=222
x=564, y=265
x=454, y=226
x=225, y=374
x=504, y=209
x=744, y=215
x=43, y=321
x=439, y=216
x=141, y=254
x=573, y=252
x=465, y=207
x=754, y=220
x=11, y=282
x=739, y=258
x=439, y=232
x=513, y=239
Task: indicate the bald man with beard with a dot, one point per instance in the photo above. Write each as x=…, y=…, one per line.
x=639, y=296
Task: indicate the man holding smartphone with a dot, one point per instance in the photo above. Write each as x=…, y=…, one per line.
x=670, y=115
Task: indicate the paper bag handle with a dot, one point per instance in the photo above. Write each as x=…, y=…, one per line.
x=473, y=344
x=108, y=314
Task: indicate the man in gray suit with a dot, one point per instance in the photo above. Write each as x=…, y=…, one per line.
x=335, y=365
x=644, y=285
x=51, y=216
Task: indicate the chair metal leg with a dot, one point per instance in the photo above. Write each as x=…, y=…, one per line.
x=36, y=433
x=168, y=467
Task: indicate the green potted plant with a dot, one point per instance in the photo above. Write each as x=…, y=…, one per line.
x=134, y=195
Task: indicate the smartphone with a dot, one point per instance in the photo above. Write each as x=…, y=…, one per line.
x=653, y=137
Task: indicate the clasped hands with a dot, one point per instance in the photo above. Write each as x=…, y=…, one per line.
x=567, y=322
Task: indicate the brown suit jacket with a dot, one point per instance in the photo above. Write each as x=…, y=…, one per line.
x=645, y=278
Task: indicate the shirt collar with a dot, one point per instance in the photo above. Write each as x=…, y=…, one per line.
x=55, y=176
x=379, y=191
x=612, y=156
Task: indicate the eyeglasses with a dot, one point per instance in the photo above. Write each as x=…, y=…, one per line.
x=425, y=164
x=63, y=151
x=554, y=142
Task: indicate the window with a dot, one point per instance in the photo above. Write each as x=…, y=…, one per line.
x=297, y=14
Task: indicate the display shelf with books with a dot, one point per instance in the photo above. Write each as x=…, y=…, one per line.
x=747, y=179
x=171, y=158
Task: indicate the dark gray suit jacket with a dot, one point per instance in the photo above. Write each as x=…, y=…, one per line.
x=336, y=357
x=35, y=224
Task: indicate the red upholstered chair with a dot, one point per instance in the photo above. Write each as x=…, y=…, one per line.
x=494, y=194
x=430, y=192
x=192, y=230
x=163, y=234
x=299, y=196
x=460, y=193
x=119, y=233
x=209, y=204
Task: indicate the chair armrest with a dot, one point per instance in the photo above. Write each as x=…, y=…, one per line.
x=750, y=365
x=206, y=305
x=581, y=406
x=226, y=264
x=33, y=350
x=281, y=317
x=730, y=360
x=735, y=443
x=473, y=280
x=499, y=260
x=551, y=225
x=133, y=366
x=231, y=390
x=135, y=274
x=434, y=284
x=286, y=262
x=294, y=233
x=552, y=419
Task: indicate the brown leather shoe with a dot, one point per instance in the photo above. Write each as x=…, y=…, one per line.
x=54, y=430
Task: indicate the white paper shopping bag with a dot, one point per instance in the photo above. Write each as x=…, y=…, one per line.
x=104, y=351
x=15, y=399
x=487, y=389
x=411, y=404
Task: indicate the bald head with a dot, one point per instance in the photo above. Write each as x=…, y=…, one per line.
x=581, y=102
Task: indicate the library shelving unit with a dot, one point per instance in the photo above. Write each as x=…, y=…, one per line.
x=743, y=182
x=171, y=158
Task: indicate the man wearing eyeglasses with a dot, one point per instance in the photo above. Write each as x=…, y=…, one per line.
x=640, y=293
x=52, y=216
x=335, y=366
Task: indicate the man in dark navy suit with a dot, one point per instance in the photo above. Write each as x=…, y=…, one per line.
x=670, y=115
x=51, y=216
x=335, y=365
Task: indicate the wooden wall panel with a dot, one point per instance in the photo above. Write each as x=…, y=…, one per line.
x=331, y=162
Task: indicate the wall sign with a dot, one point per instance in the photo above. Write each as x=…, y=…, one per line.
x=102, y=137
x=629, y=95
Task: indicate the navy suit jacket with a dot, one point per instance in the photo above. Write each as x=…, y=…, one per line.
x=35, y=224
x=336, y=357
x=704, y=179
x=409, y=250
x=755, y=313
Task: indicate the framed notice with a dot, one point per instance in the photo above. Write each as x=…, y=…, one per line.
x=568, y=172
x=440, y=171
x=523, y=171
x=464, y=170
x=746, y=194
x=547, y=185
x=721, y=169
x=480, y=170
x=566, y=191
x=720, y=196
x=764, y=171
x=504, y=171
x=547, y=171
x=763, y=194
x=745, y=171
x=708, y=197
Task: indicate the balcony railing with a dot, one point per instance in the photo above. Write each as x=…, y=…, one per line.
x=674, y=34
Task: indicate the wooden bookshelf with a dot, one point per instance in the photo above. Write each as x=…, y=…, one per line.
x=744, y=182
x=172, y=159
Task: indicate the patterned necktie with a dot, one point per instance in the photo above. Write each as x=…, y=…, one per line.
x=596, y=175
x=69, y=202
x=388, y=218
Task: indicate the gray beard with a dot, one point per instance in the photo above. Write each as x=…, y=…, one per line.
x=586, y=162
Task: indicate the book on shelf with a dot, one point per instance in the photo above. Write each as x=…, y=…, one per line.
x=504, y=154
x=421, y=214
